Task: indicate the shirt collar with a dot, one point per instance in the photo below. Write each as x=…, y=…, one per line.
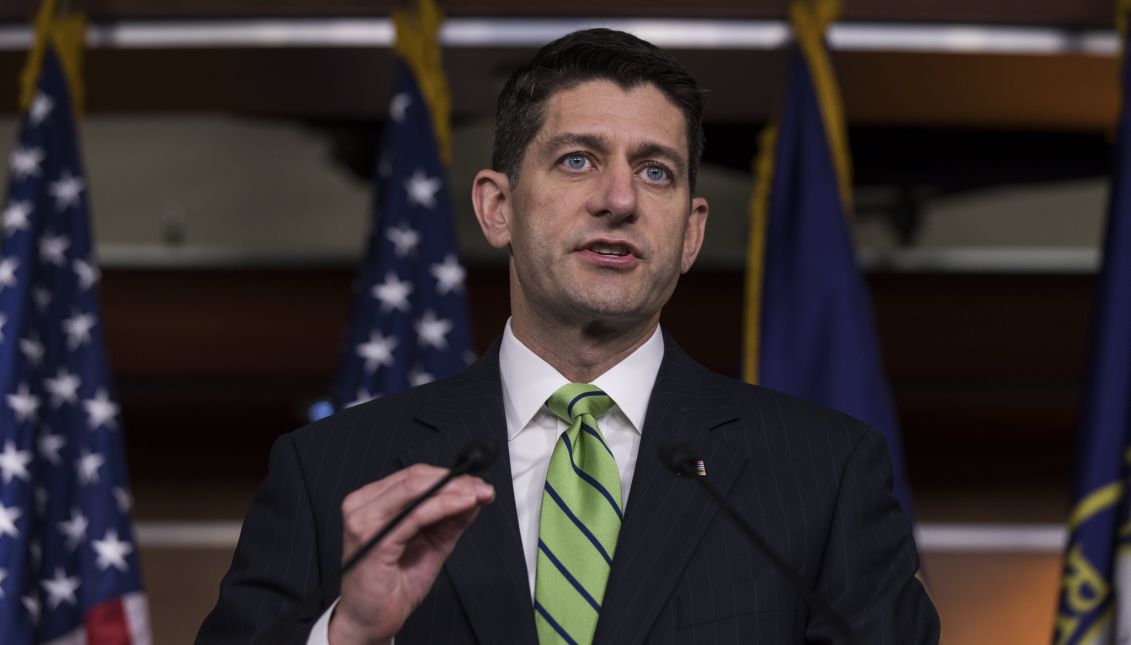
x=528, y=380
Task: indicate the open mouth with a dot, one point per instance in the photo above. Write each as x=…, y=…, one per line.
x=611, y=250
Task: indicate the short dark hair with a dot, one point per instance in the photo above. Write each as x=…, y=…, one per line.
x=592, y=54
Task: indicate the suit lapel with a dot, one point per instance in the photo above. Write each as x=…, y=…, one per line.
x=487, y=566
x=667, y=515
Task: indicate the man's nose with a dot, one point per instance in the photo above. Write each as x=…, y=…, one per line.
x=615, y=196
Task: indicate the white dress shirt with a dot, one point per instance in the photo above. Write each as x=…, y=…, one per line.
x=532, y=430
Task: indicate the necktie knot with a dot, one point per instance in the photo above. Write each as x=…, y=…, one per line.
x=575, y=400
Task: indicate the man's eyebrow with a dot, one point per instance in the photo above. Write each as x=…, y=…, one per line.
x=574, y=139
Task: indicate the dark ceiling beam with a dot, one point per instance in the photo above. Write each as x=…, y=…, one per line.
x=1042, y=92
x=1074, y=14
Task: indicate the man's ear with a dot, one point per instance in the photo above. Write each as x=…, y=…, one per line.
x=696, y=229
x=491, y=198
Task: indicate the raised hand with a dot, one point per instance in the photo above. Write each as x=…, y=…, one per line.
x=391, y=581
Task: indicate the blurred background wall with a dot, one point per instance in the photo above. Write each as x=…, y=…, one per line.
x=229, y=148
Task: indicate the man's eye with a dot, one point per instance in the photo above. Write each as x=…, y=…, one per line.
x=576, y=162
x=655, y=173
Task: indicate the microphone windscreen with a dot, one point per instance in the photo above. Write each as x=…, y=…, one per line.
x=477, y=455
x=678, y=457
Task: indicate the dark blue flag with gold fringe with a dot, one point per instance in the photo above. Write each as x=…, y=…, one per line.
x=409, y=323
x=1095, y=596
x=808, y=320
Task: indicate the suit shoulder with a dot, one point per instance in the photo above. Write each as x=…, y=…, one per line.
x=781, y=412
x=374, y=413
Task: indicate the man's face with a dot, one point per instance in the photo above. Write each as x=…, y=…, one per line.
x=601, y=223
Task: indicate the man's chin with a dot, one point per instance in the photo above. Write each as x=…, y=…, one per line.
x=614, y=315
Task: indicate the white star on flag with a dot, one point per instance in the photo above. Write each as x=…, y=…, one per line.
x=88, y=465
x=3, y=321
x=422, y=189
x=32, y=350
x=393, y=293
x=124, y=499
x=53, y=249
x=24, y=404
x=61, y=589
x=13, y=463
x=24, y=162
x=432, y=331
x=77, y=328
x=111, y=551
x=50, y=445
x=101, y=411
x=8, y=517
x=404, y=239
x=399, y=105
x=41, y=106
x=66, y=191
x=3, y=575
x=74, y=529
x=31, y=604
x=63, y=388
x=378, y=351
x=363, y=396
x=449, y=275
x=8, y=268
x=419, y=377
x=87, y=273
x=16, y=217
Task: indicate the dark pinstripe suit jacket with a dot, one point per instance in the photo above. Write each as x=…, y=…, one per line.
x=814, y=482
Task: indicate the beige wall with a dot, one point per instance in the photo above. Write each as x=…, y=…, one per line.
x=267, y=185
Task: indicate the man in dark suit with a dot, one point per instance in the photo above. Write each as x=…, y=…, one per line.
x=597, y=145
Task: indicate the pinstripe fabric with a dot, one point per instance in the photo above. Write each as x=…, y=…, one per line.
x=579, y=521
x=815, y=483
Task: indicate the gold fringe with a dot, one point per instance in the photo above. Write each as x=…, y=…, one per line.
x=418, y=43
x=66, y=32
x=810, y=19
x=1095, y=502
x=756, y=250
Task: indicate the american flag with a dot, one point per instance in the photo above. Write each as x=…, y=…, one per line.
x=68, y=559
x=409, y=324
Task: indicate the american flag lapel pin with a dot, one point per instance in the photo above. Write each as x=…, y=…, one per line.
x=700, y=468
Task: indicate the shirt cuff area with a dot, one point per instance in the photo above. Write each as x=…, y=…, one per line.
x=320, y=633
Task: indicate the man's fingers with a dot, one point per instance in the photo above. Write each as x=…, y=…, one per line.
x=368, y=514
x=398, y=485
x=453, y=505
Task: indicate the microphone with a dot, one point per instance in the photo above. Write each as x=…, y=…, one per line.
x=679, y=459
x=682, y=460
x=476, y=456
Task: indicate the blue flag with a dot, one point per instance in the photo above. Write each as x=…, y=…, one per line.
x=1095, y=597
x=809, y=323
x=68, y=558
x=409, y=324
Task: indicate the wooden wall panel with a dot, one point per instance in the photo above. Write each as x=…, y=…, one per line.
x=1065, y=93
x=211, y=365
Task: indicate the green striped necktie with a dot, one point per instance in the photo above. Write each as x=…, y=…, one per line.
x=580, y=520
